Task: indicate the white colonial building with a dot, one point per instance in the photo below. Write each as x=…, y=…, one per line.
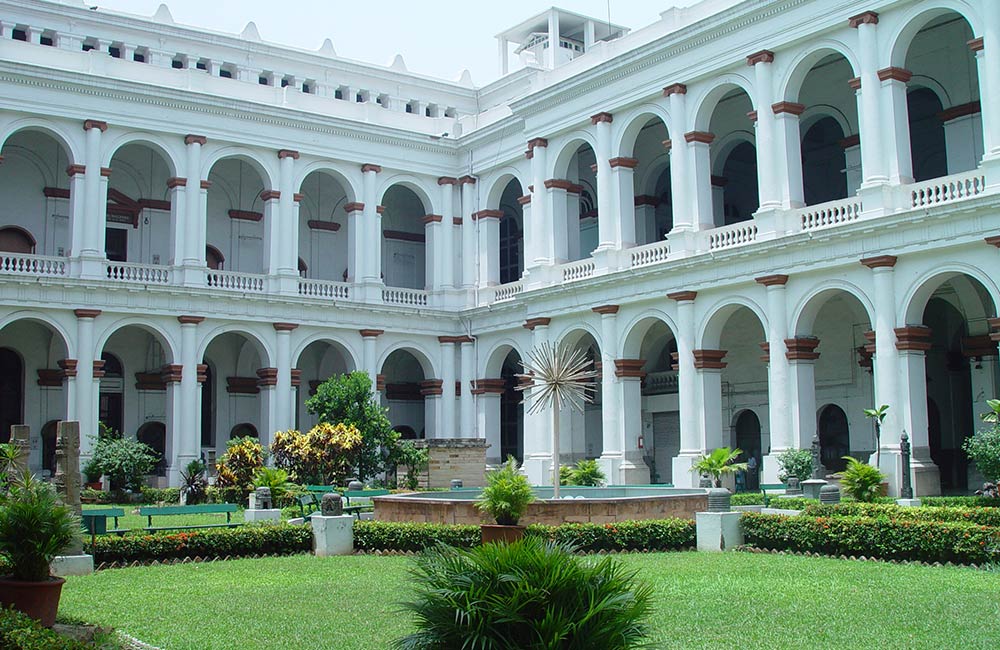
x=758, y=217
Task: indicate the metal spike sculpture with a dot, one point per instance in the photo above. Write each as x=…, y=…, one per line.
x=555, y=378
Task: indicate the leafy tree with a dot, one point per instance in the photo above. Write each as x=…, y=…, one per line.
x=243, y=457
x=411, y=458
x=984, y=447
x=322, y=456
x=718, y=463
x=125, y=461
x=795, y=462
x=877, y=416
x=350, y=400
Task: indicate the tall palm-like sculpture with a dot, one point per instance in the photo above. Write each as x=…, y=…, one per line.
x=554, y=378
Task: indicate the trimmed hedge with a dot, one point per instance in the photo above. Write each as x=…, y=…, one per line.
x=791, y=503
x=968, y=502
x=233, y=542
x=748, y=499
x=649, y=535
x=372, y=535
x=925, y=541
x=981, y=516
x=19, y=632
x=153, y=496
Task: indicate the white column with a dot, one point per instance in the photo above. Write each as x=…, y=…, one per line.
x=176, y=189
x=187, y=435
x=700, y=183
x=789, y=154
x=469, y=252
x=432, y=389
x=802, y=355
x=537, y=226
x=770, y=165
x=556, y=236
x=447, y=185
x=174, y=414
x=86, y=386
x=912, y=343
x=488, y=420
x=355, y=241
x=447, y=424
x=537, y=426
x=624, y=184
x=77, y=211
x=895, y=124
x=489, y=246
x=285, y=416
x=683, y=205
x=612, y=416
x=634, y=470
x=608, y=236
x=94, y=214
x=867, y=84
x=988, y=63
x=553, y=37
x=466, y=405
x=369, y=353
x=502, y=55
x=434, y=265
x=372, y=227
x=288, y=240
x=194, y=222
x=686, y=391
x=708, y=385
x=271, y=200
x=777, y=375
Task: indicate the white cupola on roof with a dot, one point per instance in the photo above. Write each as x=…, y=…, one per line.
x=573, y=33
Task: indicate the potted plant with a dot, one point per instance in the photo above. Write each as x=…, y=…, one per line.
x=34, y=529
x=505, y=498
x=718, y=463
x=92, y=473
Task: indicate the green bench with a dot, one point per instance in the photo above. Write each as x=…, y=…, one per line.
x=209, y=508
x=95, y=521
x=361, y=501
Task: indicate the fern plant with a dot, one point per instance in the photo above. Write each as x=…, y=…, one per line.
x=860, y=480
x=587, y=473
x=34, y=527
x=507, y=494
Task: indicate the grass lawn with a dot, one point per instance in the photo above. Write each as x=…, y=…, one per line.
x=734, y=601
x=136, y=521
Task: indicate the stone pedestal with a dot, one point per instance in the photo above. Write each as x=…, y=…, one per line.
x=332, y=535
x=454, y=458
x=256, y=514
x=812, y=487
x=718, y=531
x=908, y=503
x=72, y=565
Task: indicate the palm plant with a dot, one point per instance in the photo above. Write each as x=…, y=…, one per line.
x=860, y=480
x=34, y=527
x=528, y=594
x=877, y=416
x=194, y=484
x=719, y=462
x=273, y=478
x=586, y=473
x=507, y=494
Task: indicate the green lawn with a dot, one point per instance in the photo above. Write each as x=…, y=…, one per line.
x=134, y=521
x=733, y=601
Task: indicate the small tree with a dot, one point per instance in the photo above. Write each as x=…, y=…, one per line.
x=796, y=463
x=125, y=461
x=236, y=467
x=411, y=458
x=984, y=447
x=877, y=416
x=350, y=400
x=322, y=456
x=718, y=463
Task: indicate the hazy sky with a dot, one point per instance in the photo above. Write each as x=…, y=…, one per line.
x=435, y=39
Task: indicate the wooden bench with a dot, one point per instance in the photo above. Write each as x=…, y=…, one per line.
x=95, y=521
x=209, y=508
x=361, y=502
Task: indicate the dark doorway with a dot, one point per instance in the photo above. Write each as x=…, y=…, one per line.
x=11, y=392
x=511, y=410
x=748, y=439
x=834, y=438
x=154, y=434
x=927, y=143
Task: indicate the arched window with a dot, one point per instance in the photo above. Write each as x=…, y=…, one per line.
x=510, y=255
x=244, y=430
x=748, y=439
x=834, y=438
x=928, y=148
x=214, y=258
x=16, y=240
x=112, y=403
x=303, y=269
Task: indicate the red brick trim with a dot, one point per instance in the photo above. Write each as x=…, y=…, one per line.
x=646, y=199
x=792, y=108
x=371, y=334
x=431, y=218
x=447, y=180
x=772, y=280
x=764, y=56
x=977, y=347
x=399, y=235
x=379, y=209
x=850, y=141
x=866, y=18
x=880, y=261
x=284, y=327
x=574, y=189
x=73, y=170
x=268, y=195
x=171, y=373
x=243, y=385
x=993, y=241
x=913, y=337
x=802, y=348
x=709, y=359
x=765, y=348
x=558, y=183
x=328, y=226
x=380, y=383
x=246, y=215
x=68, y=367
x=606, y=309
x=489, y=387
x=201, y=372
x=95, y=124
x=369, y=167
x=601, y=117
x=98, y=369
x=718, y=181
x=55, y=192
x=752, y=115
x=176, y=181
x=994, y=324
x=456, y=221
x=675, y=89
x=455, y=339
x=854, y=83
x=431, y=387
x=191, y=139
x=354, y=207
x=975, y=44
x=267, y=376
x=206, y=184
x=106, y=172
x=87, y=313
x=955, y=112
x=190, y=320
x=630, y=368
x=463, y=180
x=288, y=153
x=524, y=200
x=895, y=74
x=537, y=142
x=487, y=214
x=532, y=323
x=699, y=136
x=682, y=296
x=668, y=144
x=296, y=376
x=621, y=161
x=298, y=196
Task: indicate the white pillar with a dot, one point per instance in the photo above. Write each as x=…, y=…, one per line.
x=176, y=189
x=556, y=233
x=912, y=343
x=866, y=85
x=431, y=390
x=288, y=240
x=94, y=214
x=895, y=124
x=608, y=232
x=708, y=385
x=700, y=183
x=434, y=260
x=369, y=353
x=537, y=426
x=488, y=418
x=355, y=241
x=466, y=405
x=634, y=470
x=194, y=218
x=446, y=428
x=174, y=415
x=802, y=355
x=372, y=227
x=537, y=226
x=777, y=375
x=285, y=416
x=770, y=164
x=447, y=248
x=187, y=435
x=489, y=246
x=686, y=391
x=502, y=55
x=469, y=252
x=272, y=227
x=612, y=416
x=624, y=185
x=77, y=211
x=86, y=386
x=553, y=37
x=684, y=209
x=789, y=154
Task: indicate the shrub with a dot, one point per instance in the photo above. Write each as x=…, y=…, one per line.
x=507, y=494
x=981, y=516
x=650, y=535
x=411, y=458
x=218, y=543
x=984, y=450
x=719, y=462
x=21, y=632
x=791, y=503
x=159, y=495
x=215, y=494
x=322, y=456
x=860, y=480
x=349, y=400
x=125, y=461
x=274, y=479
x=586, y=473
x=193, y=483
x=371, y=535
x=34, y=527
x=885, y=538
x=88, y=495
x=968, y=502
x=795, y=462
x=236, y=467
x=748, y=499
x=528, y=594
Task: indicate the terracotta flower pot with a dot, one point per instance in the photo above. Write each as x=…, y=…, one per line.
x=493, y=533
x=39, y=600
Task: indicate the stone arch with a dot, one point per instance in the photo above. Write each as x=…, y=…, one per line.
x=637, y=329
x=573, y=332
x=343, y=178
x=634, y=121
x=798, y=69
x=268, y=171
x=920, y=291
x=724, y=146
x=710, y=332
x=264, y=350
x=166, y=149
x=417, y=351
x=72, y=146
x=342, y=347
x=498, y=185
x=44, y=320
x=164, y=338
x=916, y=17
x=411, y=183
x=805, y=312
x=496, y=356
x=571, y=143
x=705, y=102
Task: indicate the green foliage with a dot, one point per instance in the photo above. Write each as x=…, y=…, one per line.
x=236, y=467
x=748, y=499
x=9, y=454
x=860, y=480
x=719, y=462
x=981, y=516
x=152, y=496
x=792, y=503
x=193, y=483
x=507, y=494
x=881, y=537
x=412, y=459
x=528, y=594
x=648, y=535
x=216, y=494
x=372, y=535
x=350, y=400
x=244, y=541
x=274, y=478
x=125, y=461
x=586, y=473
x=984, y=450
x=325, y=455
x=92, y=470
x=968, y=502
x=34, y=527
x=993, y=415
x=21, y=632
x=795, y=462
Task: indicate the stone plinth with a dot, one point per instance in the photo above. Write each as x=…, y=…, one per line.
x=454, y=458
x=718, y=531
x=332, y=535
x=267, y=514
x=72, y=565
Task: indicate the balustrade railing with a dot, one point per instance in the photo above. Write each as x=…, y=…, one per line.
x=831, y=213
x=35, y=265
x=407, y=297
x=138, y=273
x=327, y=289
x=234, y=281
x=507, y=291
x=947, y=189
x=736, y=234
x=578, y=270
x=654, y=253
x=658, y=383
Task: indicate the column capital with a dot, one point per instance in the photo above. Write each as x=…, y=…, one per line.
x=880, y=261
x=764, y=56
x=699, y=136
x=447, y=180
x=68, y=367
x=802, y=348
x=95, y=124
x=87, y=313
x=190, y=320
x=431, y=387
x=537, y=142
x=431, y=218
x=288, y=153
x=270, y=195
x=354, y=207
x=298, y=196
x=371, y=334
x=73, y=170
x=171, y=373
x=284, y=327
x=994, y=324
x=106, y=172
x=913, y=338
x=752, y=116
x=709, y=359
x=487, y=214
x=602, y=117
x=866, y=18
x=606, y=310
x=489, y=387
x=993, y=241
x=683, y=296
x=190, y=138
x=532, y=323
x=369, y=167
x=175, y=182
x=296, y=376
x=524, y=200
x=775, y=280
x=379, y=209
x=895, y=74
x=455, y=339
x=977, y=347
x=631, y=368
x=854, y=83
x=467, y=180
x=976, y=44
x=765, y=349
x=558, y=184
x=205, y=184
x=675, y=89
x=267, y=376
x=621, y=161
x=792, y=108
x=201, y=372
